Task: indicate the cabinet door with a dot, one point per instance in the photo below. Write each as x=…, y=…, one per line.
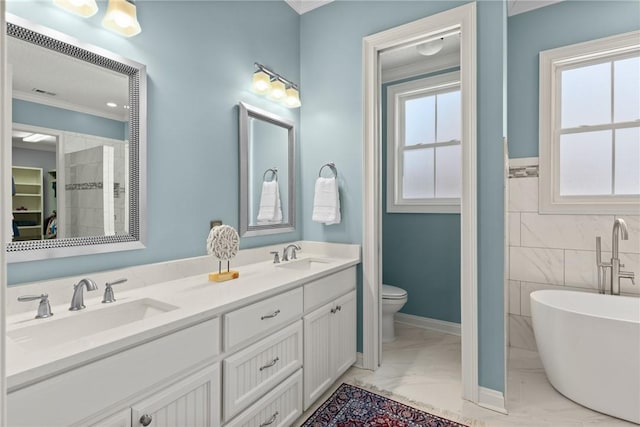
x=343, y=334
x=192, y=402
x=119, y=419
x=318, y=374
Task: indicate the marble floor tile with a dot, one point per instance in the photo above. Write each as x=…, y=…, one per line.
x=422, y=369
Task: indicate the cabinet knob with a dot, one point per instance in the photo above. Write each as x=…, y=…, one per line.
x=146, y=419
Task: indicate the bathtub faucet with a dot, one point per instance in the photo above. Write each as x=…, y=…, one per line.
x=620, y=231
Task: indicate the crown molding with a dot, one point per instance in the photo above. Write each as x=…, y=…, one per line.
x=515, y=7
x=304, y=6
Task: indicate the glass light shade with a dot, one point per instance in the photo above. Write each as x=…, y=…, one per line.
x=277, y=90
x=84, y=8
x=121, y=18
x=430, y=48
x=292, y=98
x=261, y=82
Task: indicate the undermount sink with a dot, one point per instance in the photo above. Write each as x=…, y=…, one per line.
x=52, y=331
x=303, y=264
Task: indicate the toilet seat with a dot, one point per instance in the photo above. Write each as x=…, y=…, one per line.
x=393, y=292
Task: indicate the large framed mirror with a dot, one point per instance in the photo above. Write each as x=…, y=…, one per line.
x=267, y=172
x=77, y=149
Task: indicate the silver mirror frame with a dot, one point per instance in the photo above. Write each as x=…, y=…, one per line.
x=135, y=239
x=246, y=112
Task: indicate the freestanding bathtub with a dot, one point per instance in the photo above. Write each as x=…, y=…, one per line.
x=590, y=348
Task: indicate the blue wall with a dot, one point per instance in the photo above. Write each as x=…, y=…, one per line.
x=546, y=28
x=331, y=69
x=199, y=58
x=421, y=252
x=31, y=113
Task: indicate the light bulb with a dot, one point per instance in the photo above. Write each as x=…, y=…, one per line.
x=277, y=90
x=292, y=99
x=121, y=18
x=84, y=8
x=261, y=82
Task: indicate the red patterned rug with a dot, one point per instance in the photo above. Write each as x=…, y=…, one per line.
x=351, y=406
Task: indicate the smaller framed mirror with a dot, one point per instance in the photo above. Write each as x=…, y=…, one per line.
x=267, y=172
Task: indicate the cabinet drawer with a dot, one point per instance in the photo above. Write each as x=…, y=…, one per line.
x=321, y=291
x=251, y=372
x=255, y=319
x=279, y=408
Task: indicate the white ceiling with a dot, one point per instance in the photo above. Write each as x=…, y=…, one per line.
x=77, y=85
x=514, y=7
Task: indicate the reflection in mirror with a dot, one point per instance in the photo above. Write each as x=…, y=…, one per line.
x=77, y=147
x=266, y=172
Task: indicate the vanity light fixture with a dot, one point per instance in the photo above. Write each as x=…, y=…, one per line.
x=121, y=18
x=276, y=87
x=261, y=82
x=277, y=92
x=292, y=100
x=84, y=8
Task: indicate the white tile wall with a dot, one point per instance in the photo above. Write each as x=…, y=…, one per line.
x=514, y=228
x=557, y=252
x=537, y=265
x=565, y=231
x=523, y=194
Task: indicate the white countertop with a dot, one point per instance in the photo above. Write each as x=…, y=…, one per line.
x=196, y=300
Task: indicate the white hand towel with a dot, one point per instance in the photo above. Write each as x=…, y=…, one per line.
x=326, y=201
x=270, y=211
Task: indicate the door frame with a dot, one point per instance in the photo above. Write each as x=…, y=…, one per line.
x=5, y=127
x=463, y=18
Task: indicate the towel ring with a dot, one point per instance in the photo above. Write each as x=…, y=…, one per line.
x=274, y=172
x=331, y=166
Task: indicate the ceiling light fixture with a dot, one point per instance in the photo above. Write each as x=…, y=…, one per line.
x=112, y=104
x=431, y=47
x=276, y=87
x=84, y=8
x=121, y=18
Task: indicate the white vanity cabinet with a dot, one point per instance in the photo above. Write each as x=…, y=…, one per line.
x=193, y=401
x=256, y=364
x=329, y=332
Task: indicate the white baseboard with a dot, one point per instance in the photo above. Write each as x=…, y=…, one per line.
x=427, y=323
x=359, y=363
x=491, y=399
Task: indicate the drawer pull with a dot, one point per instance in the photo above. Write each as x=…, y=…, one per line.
x=270, y=421
x=270, y=364
x=336, y=309
x=146, y=419
x=270, y=316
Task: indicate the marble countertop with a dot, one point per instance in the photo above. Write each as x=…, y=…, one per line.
x=195, y=298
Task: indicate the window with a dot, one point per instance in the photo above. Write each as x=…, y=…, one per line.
x=424, y=152
x=590, y=127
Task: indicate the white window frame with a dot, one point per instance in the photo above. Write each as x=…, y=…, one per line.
x=552, y=62
x=441, y=83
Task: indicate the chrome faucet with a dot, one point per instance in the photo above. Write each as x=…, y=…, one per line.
x=44, y=308
x=77, y=300
x=285, y=252
x=619, y=231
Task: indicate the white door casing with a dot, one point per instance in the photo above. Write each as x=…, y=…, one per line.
x=464, y=19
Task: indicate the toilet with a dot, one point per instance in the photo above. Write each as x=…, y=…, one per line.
x=393, y=299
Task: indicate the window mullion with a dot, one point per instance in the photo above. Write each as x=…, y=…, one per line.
x=613, y=135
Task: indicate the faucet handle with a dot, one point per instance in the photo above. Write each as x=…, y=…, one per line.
x=44, y=308
x=109, y=297
x=276, y=257
x=628, y=275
